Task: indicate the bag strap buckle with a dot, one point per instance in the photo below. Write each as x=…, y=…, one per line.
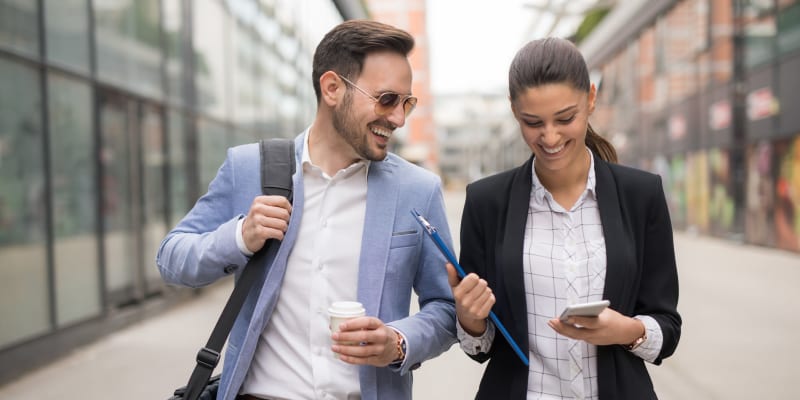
x=208, y=357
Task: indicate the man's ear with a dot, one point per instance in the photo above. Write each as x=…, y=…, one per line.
x=331, y=88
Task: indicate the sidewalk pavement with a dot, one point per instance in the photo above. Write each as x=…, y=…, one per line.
x=738, y=303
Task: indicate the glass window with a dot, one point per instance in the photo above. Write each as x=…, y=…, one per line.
x=788, y=26
x=245, y=78
x=269, y=91
x=67, y=27
x=759, y=31
x=172, y=21
x=211, y=41
x=117, y=119
x=178, y=195
x=288, y=105
x=19, y=26
x=155, y=213
x=129, y=45
x=74, y=205
x=212, y=143
x=24, y=309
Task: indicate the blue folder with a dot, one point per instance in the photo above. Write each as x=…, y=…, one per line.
x=433, y=233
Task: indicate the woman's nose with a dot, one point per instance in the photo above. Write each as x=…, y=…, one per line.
x=549, y=136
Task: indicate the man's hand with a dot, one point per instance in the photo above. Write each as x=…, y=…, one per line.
x=474, y=300
x=268, y=218
x=365, y=341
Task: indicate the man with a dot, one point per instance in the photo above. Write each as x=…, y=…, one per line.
x=348, y=236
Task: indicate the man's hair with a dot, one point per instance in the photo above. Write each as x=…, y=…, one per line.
x=344, y=48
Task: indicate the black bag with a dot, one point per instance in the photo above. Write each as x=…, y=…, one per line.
x=277, y=168
x=209, y=391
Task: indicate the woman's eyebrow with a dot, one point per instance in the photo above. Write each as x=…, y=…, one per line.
x=566, y=109
x=562, y=111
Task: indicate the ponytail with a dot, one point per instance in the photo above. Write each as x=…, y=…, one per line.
x=600, y=146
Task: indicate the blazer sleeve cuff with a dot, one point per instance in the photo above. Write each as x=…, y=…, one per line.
x=651, y=347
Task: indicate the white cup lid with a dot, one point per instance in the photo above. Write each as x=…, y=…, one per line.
x=346, y=309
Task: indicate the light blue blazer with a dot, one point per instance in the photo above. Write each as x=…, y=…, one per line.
x=395, y=257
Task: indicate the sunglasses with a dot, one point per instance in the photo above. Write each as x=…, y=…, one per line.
x=387, y=101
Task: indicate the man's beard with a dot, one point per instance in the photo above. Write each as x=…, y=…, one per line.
x=344, y=123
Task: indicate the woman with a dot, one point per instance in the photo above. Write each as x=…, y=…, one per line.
x=569, y=226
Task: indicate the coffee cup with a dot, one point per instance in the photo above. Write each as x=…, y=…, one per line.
x=341, y=311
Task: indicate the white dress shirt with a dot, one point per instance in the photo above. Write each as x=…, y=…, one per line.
x=564, y=262
x=293, y=359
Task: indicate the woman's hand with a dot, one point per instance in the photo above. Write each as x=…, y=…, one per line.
x=610, y=327
x=474, y=300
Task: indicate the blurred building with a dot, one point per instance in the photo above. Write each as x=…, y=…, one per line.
x=114, y=117
x=705, y=93
x=417, y=141
x=478, y=134
x=702, y=92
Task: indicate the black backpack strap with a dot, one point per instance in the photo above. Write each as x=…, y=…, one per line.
x=276, y=175
x=277, y=168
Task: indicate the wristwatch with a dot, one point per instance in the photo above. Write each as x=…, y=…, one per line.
x=401, y=349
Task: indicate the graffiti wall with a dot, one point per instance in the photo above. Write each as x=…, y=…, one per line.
x=787, y=194
x=759, y=195
x=721, y=207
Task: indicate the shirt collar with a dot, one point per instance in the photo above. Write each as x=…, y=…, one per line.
x=539, y=191
x=306, y=159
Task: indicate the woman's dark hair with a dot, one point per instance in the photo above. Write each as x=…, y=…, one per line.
x=555, y=60
x=344, y=48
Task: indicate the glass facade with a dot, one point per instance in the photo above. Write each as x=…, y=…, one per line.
x=129, y=45
x=24, y=294
x=176, y=178
x=121, y=204
x=19, y=26
x=73, y=192
x=114, y=117
x=67, y=33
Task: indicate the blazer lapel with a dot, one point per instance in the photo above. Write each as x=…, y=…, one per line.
x=377, y=234
x=617, y=238
x=509, y=252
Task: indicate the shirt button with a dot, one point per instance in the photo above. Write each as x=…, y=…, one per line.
x=320, y=266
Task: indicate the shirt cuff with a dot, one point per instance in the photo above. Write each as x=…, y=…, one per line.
x=474, y=345
x=240, y=239
x=651, y=347
x=398, y=365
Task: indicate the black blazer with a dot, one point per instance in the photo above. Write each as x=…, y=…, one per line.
x=641, y=276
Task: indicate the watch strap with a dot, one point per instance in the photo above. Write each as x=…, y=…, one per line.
x=638, y=342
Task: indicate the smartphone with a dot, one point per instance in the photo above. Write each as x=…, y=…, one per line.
x=591, y=309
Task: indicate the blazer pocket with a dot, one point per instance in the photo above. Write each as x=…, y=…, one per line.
x=404, y=239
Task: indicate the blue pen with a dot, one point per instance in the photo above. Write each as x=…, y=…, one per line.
x=434, y=234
